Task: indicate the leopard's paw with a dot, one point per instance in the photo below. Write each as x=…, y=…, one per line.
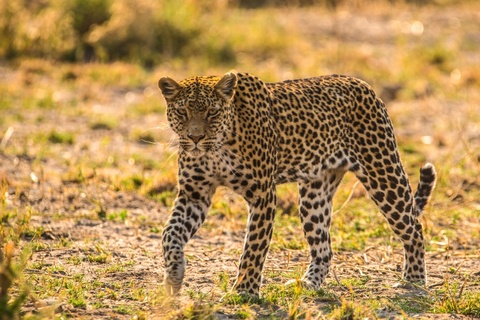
x=302, y=284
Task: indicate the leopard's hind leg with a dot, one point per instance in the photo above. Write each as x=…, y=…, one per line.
x=387, y=184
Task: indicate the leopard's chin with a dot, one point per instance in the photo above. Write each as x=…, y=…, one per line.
x=202, y=150
x=196, y=152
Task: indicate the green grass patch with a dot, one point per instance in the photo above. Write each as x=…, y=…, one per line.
x=455, y=298
x=104, y=124
x=58, y=137
x=120, y=216
x=351, y=310
x=97, y=258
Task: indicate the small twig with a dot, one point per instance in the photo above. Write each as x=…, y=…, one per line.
x=436, y=285
x=344, y=287
x=33, y=271
x=463, y=287
x=344, y=204
x=6, y=137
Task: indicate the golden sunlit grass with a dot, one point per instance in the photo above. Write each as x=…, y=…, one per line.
x=88, y=145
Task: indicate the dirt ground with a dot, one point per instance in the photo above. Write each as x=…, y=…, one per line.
x=208, y=255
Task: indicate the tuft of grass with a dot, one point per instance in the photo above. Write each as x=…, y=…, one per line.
x=133, y=182
x=124, y=309
x=455, y=298
x=246, y=312
x=60, y=137
x=223, y=281
x=408, y=304
x=97, y=258
x=358, y=283
x=199, y=310
x=235, y=298
x=120, y=216
x=100, y=256
x=104, y=124
x=166, y=198
x=351, y=310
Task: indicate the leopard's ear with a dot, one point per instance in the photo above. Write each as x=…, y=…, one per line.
x=169, y=87
x=225, y=87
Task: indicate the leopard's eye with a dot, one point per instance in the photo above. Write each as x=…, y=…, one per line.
x=213, y=112
x=181, y=111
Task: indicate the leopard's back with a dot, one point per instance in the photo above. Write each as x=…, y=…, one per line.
x=323, y=122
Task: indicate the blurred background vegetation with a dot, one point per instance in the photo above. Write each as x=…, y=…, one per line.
x=152, y=32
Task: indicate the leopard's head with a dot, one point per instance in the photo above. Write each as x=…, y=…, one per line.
x=199, y=110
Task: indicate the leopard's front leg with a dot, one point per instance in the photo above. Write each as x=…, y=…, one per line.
x=189, y=212
x=257, y=242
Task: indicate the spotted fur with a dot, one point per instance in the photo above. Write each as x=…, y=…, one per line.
x=250, y=136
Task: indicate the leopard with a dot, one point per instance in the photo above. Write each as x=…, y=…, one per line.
x=248, y=135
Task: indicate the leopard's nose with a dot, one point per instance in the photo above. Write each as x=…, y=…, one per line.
x=196, y=138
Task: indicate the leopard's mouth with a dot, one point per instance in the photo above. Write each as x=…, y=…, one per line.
x=200, y=148
x=196, y=152
x=193, y=149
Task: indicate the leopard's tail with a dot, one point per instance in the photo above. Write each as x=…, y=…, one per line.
x=428, y=178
